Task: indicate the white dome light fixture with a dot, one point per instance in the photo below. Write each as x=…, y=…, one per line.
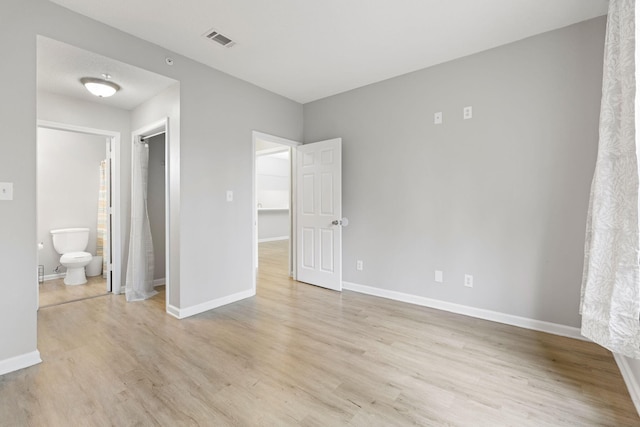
x=99, y=87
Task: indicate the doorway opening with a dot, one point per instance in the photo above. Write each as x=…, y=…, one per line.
x=78, y=180
x=156, y=136
x=273, y=190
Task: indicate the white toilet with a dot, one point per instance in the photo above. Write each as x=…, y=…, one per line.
x=70, y=243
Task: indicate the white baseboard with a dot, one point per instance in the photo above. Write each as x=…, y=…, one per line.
x=630, y=379
x=19, y=362
x=494, y=316
x=159, y=282
x=182, y=313
x=174, y=311
x=54, y=276
x=273, y=239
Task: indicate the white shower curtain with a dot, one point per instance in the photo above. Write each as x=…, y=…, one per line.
x=139, y=283
x=101, y=230
x=610, y=303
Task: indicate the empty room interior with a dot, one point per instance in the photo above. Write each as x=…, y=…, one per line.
x=319, y=213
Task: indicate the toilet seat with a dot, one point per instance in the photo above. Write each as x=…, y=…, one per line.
x=75, y=258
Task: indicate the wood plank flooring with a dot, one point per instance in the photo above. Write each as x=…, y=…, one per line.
x=54, y=292
x=301, y=355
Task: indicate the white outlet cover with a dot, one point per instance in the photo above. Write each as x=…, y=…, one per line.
x=467, y=113
x=468, y=280
x=438, y=276
x=437, y=118
x=359, y=265
x=229, y=196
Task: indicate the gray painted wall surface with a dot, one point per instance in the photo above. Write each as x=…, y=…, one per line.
x=215, y=155
x=273, y=224
x=155, y=203
x=502, y=196
x=68, y=184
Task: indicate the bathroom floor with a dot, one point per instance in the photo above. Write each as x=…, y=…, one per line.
x=53, y=292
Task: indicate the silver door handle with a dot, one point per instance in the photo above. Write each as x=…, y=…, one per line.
x=343, y=222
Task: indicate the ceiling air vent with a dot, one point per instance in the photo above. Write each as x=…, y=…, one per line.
x=219, y=38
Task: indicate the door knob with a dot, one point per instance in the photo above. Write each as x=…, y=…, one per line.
x=343, y=222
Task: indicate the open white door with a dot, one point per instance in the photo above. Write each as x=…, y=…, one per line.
x=319, y=214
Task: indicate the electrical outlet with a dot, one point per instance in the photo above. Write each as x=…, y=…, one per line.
x=438, y=276
x=437, y=118
x=468, y=280
x=359, y=265
x=467, y=113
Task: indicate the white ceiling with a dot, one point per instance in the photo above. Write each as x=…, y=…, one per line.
x=310, y=49
x=60, y=67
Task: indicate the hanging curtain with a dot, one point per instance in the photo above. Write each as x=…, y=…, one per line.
x=610, y=300
x=139, y=283
x=101, y=230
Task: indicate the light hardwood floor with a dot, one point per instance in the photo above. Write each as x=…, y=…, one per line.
x=55, y=291
x=301, y=355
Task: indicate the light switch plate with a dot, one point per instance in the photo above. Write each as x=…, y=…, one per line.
x=438, y=276
x=437, y=118
x=6, y=190
x=229, y=196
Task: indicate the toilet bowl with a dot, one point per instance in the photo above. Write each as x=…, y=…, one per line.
x=71, y=243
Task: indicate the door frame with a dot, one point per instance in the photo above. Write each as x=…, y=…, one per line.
x=292, y=205
x=115, y=254
x=153, y=129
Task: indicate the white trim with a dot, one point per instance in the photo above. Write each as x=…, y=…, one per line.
x=53, y=276
x=115, y=242
x=181, y=313
x=159, y=282
x=494, y=316
x=273, y=239
x=632, y=382
x=19, y=362
x=174, y=311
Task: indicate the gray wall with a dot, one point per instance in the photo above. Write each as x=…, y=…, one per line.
x=156, y=203
x=68, y=184
x=219, y=114
x=273, y=224
x=502, y=196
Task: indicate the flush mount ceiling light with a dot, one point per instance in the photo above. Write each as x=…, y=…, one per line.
x=100, y=87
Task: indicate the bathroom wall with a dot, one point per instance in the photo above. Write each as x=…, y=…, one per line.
x=68, y=182
x=156, y=203
x=272, y=194
x=71, y=111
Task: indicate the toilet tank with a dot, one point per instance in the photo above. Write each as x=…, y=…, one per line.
x=67, y=240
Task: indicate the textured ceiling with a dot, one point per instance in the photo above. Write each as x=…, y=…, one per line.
x=306, y=50
x=60, y=67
